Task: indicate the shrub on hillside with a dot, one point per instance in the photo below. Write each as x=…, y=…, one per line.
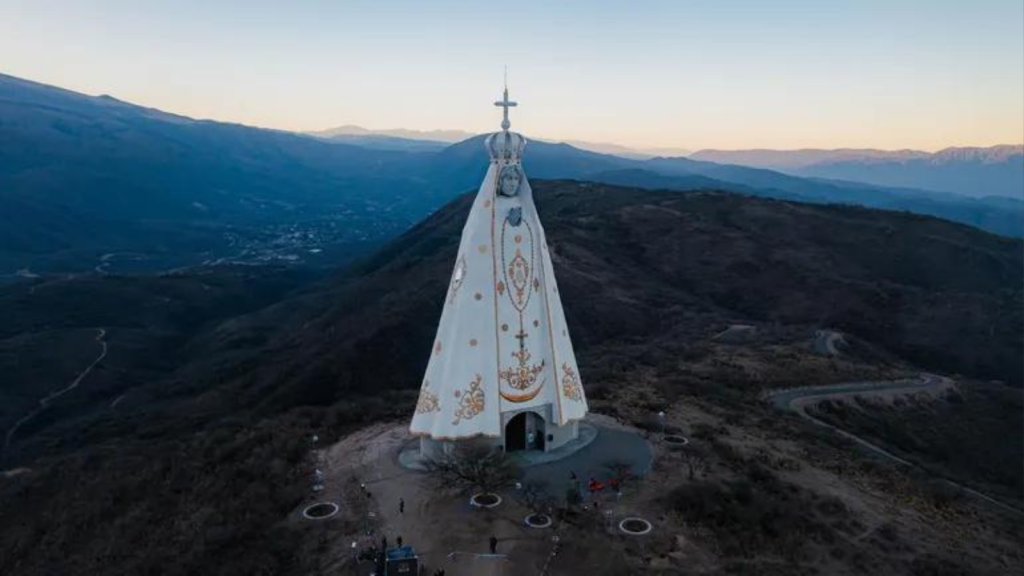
x=759, y=515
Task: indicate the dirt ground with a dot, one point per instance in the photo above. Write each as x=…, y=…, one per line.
x=448, y=533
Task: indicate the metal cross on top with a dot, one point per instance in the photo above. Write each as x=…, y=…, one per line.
x=506, y=104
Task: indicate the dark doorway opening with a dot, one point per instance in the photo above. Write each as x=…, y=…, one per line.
x=525, y=431
x=515, y=433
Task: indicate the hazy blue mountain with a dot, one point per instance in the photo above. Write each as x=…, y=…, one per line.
x=649, y=180
x=788, y=160
x=94, y=183
x=466, y=162
x=975, y=172
x=81, y=177
x=404, y=139
x=349, y=130
x=381, y=142
x=1002, y=215
x=620, y=150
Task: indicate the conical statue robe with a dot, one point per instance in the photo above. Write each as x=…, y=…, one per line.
x=502, y=347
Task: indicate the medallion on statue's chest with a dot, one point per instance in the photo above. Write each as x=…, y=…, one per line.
x=517, y=261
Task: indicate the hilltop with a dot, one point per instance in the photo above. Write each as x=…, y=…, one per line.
x=195, y=469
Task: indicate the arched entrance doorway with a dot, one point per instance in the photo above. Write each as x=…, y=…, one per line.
x=524, y=431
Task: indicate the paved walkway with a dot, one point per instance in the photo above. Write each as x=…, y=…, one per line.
x=444, y=529
x=600, y=444
x=611, y=446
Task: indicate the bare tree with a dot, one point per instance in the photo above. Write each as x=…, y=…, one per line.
x=696, y=460
x=534, y=496
x=473, y=466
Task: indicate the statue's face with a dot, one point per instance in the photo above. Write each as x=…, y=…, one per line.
x=508, y=182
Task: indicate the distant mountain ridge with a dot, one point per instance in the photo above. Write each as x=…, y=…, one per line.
x=94, y=183
x=401, y=138
x=449, y=136
x=970, y=171
x=801, y=158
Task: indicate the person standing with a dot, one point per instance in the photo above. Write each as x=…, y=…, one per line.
x=401, y=505
x=494, y=545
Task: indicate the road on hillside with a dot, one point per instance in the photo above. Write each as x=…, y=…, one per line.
x=825, y=342
x=101, y=333
x=798, y=399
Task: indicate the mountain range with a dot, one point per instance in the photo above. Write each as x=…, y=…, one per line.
x=975, y=172
x=400, y=138
x=244, y=289
x=94, y=183
x=969, y=171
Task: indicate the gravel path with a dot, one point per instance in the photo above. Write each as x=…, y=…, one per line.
x=100, y=335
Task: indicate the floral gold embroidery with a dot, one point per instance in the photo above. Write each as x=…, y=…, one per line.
x=471, y=401
x=571, y=388
x=428, y=402
x=524, y=375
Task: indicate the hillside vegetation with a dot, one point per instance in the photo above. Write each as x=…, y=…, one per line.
x=195, y=471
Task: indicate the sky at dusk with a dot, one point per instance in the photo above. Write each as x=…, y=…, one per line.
x=689, y=74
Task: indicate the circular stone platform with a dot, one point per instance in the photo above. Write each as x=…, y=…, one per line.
x=589, y=456
x=538, y=521
x=635, y=526
x=409, y=457
x=320, y=510
x=613, y=445
x=485, y=500
x=676, y=440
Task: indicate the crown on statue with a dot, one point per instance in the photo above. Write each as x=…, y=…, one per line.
x=506, y=146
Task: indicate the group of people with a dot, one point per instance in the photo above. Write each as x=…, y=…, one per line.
x=596, y=487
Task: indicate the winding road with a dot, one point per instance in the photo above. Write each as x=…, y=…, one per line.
x=798, y=399
x=825, y=342
x=101, y=333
